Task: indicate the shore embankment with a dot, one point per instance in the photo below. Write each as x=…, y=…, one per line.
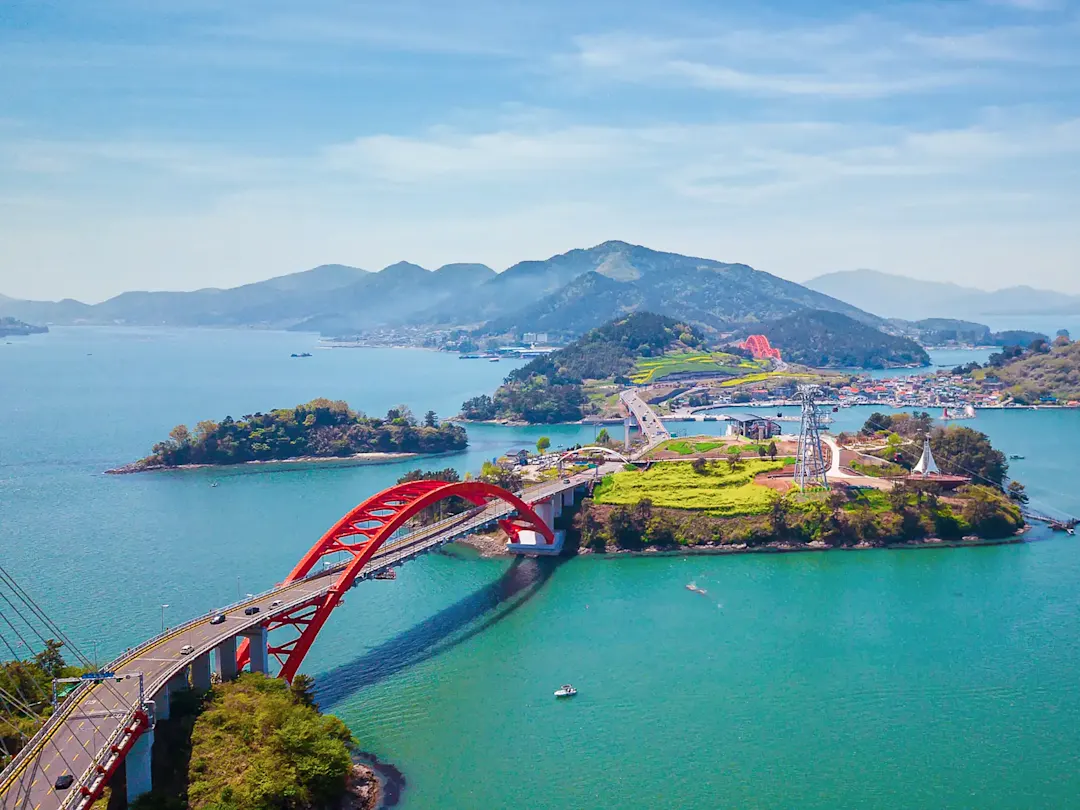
x=345, y=461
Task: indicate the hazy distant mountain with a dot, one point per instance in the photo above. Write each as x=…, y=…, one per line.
x=568, y=293
x=900, y=297
x=625, y=278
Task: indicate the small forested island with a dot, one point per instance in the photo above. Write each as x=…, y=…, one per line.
x=11, y=326
x=320, y=429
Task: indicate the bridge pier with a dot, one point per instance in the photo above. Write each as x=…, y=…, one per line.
x=200, y=673
x=259, y=657
x=530, y=542
x=225, y=659
x=137, y=766
x=568, y=497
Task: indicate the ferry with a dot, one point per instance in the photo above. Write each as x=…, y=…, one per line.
x=968, y=412
x=468, y=357
x=566, y=690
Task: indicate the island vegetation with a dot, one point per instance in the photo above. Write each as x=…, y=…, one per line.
x=11, y=326
x=550, y=388
x=823, y=339
x=1041, y=372
x=251, y=744
x=321, y=428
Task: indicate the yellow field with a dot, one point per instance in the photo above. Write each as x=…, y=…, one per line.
x=650, y=369
x=718, y=492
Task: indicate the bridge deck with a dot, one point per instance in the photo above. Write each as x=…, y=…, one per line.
x=81, y=734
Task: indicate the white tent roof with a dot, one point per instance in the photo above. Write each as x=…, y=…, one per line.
x=926, y=465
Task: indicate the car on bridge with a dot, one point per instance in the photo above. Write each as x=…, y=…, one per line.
x=187, y=649
x=251, y=611
x=219, y=618
x=63, y=781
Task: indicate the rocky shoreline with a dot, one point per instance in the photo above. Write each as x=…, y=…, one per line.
x=372, y=785
x=357, y=458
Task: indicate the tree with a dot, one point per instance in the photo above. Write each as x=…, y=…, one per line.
x=542, y=444
x=303, y=690
x=876, y=422
x=734, y=457
x=500, y=477
x=772, y=450
x=1017, y=492
x=50, y=660
x=603, y=437
x=699, y=466
x=761, y=451
x=431, y=420
x=180, y=434
x=960, y=450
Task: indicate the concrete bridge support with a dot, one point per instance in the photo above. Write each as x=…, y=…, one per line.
x=259, y=656
x=137, y=766
x=200, y=673
x=225, y=659
x=568, y=497
x=532, y=543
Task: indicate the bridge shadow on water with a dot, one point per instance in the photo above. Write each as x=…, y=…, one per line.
x=461, y=621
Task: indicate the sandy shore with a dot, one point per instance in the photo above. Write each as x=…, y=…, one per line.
x=358, y=458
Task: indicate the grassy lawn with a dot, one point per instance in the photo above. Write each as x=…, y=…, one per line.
x=718, y=492
x=685, y=448
x=651, y=369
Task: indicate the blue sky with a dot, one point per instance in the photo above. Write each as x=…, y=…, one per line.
x=157, y=144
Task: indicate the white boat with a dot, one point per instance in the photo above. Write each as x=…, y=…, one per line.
x=692, y=586
x=566, y=690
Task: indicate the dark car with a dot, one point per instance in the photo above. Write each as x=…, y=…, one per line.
x=63, y=781
x=218, y=618
x=251, y=611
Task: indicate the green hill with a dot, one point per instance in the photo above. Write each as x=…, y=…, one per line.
x=1041, y=373
x=833, y=340
x=549, y=389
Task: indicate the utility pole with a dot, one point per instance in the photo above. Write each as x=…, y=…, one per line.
x=810, y=461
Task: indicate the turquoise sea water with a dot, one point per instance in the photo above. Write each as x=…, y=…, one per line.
x=941, y=678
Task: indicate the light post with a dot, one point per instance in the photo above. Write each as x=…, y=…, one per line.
x=163, y=618
x=237, y=587
x=96, y=667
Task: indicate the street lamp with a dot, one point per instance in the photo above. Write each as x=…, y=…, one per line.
x=163, y=618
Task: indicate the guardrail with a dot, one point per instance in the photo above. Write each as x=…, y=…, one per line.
x=38, y=740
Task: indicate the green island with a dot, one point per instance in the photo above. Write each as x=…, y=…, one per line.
x=320, y=429
x=11, y=326
x=730, y=494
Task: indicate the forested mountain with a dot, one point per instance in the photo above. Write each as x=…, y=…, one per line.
x=566, y=294
x=830, y=339
x=896, y=296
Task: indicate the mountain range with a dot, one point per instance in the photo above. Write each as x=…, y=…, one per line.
x=894, y=296
x=566, y=294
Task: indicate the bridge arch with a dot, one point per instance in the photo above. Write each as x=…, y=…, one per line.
x=607, y=452
x=361, y=533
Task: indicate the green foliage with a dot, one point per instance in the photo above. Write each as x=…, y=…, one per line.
x=719, y=364
x=548, y=389
x=255, y=744
x=500, y=476
x=542, y=444
x=1051, y=374
x=26, y=695
x=716, y=490
x=829, y=339
x=321, y=428
x=960, y=450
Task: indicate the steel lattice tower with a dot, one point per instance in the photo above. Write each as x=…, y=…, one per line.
x=810, y=461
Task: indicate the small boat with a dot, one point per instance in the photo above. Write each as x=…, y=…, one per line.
x=493, y=359
x=566, y=690
x=1015, y=457
x=389, y=573
x=302, y=354
x=692, y=586
x=213, y=485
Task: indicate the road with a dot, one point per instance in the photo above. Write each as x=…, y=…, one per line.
x=79, y=736
x=648, y=422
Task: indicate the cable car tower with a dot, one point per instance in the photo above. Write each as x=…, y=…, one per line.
x=810, y=461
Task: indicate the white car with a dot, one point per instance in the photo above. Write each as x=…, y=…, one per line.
x=187, y=649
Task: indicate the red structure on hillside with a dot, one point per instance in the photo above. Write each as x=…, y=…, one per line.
x=760, y=347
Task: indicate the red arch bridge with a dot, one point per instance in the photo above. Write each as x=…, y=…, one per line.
x=104, y=723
